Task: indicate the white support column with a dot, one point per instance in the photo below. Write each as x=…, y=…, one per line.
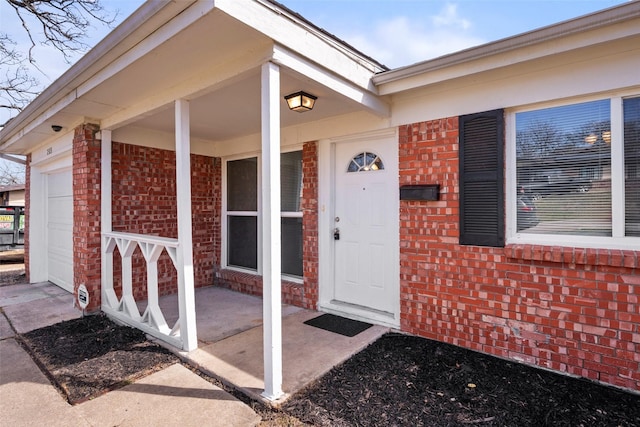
x=106, y=273
x=186, y=294
x=271, y=242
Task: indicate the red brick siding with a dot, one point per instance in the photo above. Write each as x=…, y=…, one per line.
x=86, y=213
x=250, y=283
x=310, y=262
x=144, y=202
x=216, y=217
x=27, y=207
x=569, y=309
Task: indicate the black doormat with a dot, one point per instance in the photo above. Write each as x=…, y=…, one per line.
x=339, y=325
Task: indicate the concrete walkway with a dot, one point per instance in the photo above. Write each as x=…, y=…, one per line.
x=230, y=349
x=230, y=342
x=174, y=396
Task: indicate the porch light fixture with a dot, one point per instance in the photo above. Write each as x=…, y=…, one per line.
x=300, y=101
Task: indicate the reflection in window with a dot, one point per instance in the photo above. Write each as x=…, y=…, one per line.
x=563, y=166
x=365, y=162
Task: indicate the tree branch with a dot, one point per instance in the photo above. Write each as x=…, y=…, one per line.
x=62, y=24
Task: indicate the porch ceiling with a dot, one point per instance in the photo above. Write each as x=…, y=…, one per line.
x=234, y=110
x=213, y=61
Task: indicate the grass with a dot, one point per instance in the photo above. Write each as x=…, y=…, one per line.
x=572, y=206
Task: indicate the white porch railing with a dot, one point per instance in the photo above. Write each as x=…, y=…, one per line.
x=125, y=309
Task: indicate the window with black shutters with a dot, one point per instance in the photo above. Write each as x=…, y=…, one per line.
x=482, y=179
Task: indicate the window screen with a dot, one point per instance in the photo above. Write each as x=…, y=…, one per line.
x=242, y=196
x=242, y=185
x=291, y=181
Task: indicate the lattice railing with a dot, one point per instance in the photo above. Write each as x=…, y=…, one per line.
x=125, y=308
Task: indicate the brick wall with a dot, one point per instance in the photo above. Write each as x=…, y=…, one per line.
x=572, y=310
x=310, y=263
x=144, y=202
x=251, y=284
x=86, y=213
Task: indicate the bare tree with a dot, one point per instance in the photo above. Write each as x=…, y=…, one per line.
x=62, y=24
x=17, y=87
x=538, y=140
x=11, y=173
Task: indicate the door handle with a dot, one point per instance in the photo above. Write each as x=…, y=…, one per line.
x=336, y=234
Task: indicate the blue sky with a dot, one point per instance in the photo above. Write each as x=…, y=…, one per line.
x=402, y=32
x=394, y=32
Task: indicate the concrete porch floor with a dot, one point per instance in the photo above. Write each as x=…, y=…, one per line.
x=229, y=327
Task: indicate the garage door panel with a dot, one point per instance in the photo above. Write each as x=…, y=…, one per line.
x=60, y=229
x=59, y=212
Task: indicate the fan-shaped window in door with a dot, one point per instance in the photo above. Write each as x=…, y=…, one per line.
x=365, y=162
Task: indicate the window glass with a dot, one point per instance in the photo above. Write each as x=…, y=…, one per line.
x=291, y=181
x=242, y=185
x=563, y=164
x=365, y=162
x=632, y=165
x=242, y=244
x=292, y=246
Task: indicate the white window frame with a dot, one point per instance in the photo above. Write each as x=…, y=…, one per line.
x=617, y=240
x=225, y=215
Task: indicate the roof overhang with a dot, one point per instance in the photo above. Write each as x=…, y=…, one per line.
x=609, y=25
x=208, y=52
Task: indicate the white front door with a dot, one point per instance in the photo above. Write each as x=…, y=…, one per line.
x=60, y=229
x=366, y=229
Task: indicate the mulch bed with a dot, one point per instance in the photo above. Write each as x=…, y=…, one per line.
x=403, y=380
x=87, y=357
x=398, y=380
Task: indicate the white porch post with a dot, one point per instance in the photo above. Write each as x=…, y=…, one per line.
x=186, y=295
x=271, y=277
x=106, y=276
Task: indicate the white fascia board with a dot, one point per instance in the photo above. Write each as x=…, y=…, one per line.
x=283, y=29
x=41, y=118
x=371, y=101
x=206, y=80
x=611, y=24
x=143, y=22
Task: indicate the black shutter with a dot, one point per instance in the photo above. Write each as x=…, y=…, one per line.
x=482, y=179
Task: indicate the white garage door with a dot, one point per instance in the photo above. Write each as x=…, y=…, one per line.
x=60, y=229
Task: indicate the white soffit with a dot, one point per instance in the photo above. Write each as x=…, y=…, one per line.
x=189, y=49
x=137, y=27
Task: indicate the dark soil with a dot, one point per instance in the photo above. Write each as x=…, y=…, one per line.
x=13, y=277
x=403, y=380
x=398, y=380
x=12, y=268
x=89, y=356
